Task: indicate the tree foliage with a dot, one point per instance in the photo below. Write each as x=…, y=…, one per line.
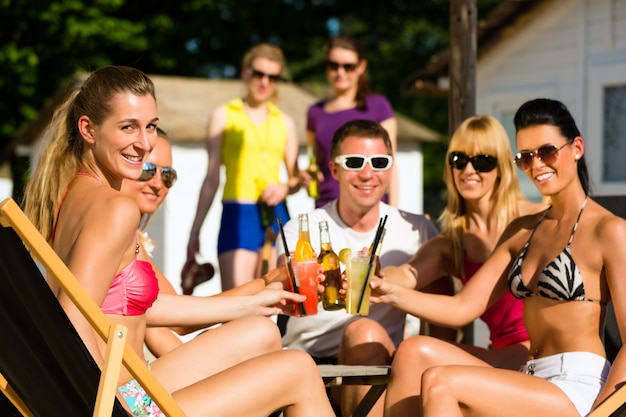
x=43, y=42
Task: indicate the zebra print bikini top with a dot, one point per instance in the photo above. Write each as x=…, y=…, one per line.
x=560, y=280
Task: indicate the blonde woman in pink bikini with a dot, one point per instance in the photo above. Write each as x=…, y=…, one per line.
x=101, y=135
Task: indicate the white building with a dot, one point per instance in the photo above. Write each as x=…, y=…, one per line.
x=570, y=50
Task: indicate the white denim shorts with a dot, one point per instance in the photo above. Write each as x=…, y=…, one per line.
x=580, y=375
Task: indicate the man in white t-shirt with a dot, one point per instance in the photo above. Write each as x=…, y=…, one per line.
x=361, y=162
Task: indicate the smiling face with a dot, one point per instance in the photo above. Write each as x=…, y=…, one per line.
x=473, y=185
x=150, y=194
x=360, y=191
x=121, y=143
x=551, y=174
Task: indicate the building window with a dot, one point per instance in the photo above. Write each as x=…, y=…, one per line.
x=614, y=134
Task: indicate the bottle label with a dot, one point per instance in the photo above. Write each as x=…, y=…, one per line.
x=332, y=282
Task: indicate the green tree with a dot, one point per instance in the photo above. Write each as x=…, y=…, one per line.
x=43, y=42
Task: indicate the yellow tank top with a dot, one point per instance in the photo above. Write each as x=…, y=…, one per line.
x=252, y=154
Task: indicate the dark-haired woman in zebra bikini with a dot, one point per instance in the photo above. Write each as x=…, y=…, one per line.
x=566, y=263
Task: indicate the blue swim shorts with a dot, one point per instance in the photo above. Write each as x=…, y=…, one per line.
x=241, y=226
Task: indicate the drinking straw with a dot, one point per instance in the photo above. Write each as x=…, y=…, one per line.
x=292, y=275
x=377, y=237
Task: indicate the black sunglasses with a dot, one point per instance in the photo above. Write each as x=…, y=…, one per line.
x=481, y=163
x=260, y=75
x=168, y=174
x=334, y=66
x=546, y=154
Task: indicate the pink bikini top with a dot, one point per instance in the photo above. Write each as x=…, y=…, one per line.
x=133, y=290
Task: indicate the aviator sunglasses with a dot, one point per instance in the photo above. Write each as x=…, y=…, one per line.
x=546, y=154
x=357, y=162
x=334, y=66
x=481, y=163
x=168, y=174
x=274, y=78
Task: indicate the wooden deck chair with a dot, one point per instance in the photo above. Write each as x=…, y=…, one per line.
x=614, y=406
x=45, y=369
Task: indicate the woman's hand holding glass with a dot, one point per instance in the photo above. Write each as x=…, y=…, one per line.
x=273, y=299
x=382, y=291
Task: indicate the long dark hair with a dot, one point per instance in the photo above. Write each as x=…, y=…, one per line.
x=351, y=43
x=545, y=111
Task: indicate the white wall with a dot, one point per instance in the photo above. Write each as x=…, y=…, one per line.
x=6, y=188
x=570, y=52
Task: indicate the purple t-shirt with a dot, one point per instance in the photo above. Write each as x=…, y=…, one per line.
x=324, y=125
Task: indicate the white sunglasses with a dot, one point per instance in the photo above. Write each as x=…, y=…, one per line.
x=357, y=162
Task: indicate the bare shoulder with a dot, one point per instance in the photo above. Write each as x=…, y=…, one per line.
x=216, y=123
x=609, y=229
x=526, y=207
x=526, y=220
x=290, y=125
x=116, y=211
x=440, y=245
x=218, y=112
x=103, y=227
x=289, y=121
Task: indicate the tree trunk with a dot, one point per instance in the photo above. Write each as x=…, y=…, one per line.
x=462, y=98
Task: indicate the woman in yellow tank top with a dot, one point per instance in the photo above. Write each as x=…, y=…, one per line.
x=252, y=138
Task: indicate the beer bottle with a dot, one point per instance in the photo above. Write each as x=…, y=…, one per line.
x=330, y=262
x=265, y=211
x=312, y=170
x=267, y=214
x=304, y=250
